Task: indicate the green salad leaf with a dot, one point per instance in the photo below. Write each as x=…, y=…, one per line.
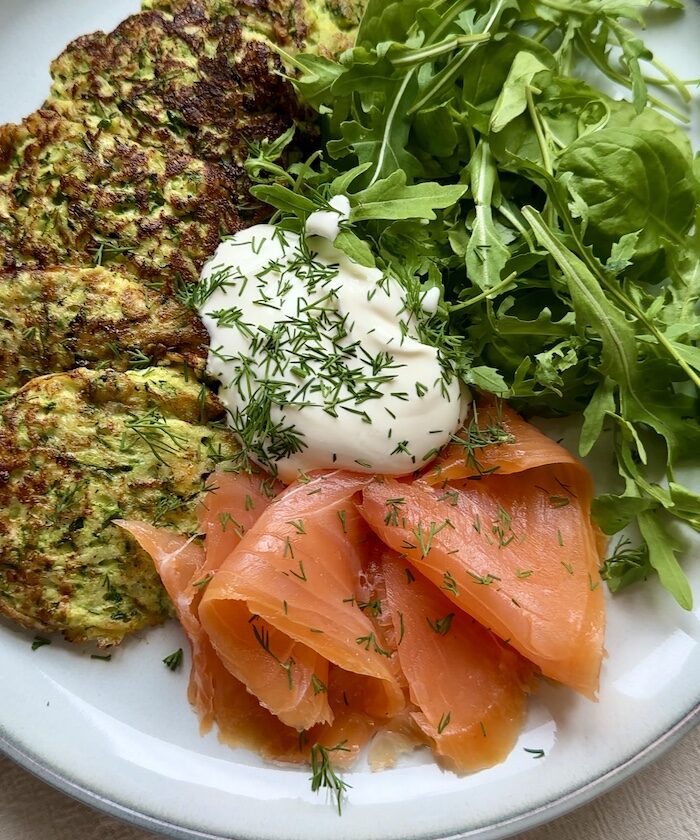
x=559, y=223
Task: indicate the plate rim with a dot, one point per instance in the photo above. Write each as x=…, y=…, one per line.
x=531, y=818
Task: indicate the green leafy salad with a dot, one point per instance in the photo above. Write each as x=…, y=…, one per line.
x=560, y=224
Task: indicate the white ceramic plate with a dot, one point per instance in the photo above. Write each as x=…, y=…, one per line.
x=120, y=735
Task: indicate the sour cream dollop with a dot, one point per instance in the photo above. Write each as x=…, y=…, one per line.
x=319, y=358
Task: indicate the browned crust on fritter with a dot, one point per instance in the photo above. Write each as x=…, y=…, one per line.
x=73, y=458
x=195, y=83
x=81, y=196
x=284, y=21
x=66, y=317
x=137, y=156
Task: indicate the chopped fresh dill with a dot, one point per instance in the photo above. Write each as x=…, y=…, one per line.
x=449, y=583
x=369, y=642
x=152, y=429
x=202, y=583
x=444, y=722
x=173, y=660
x=441, y=625
x=324, y=776
x=262, y=637
x=318, y=685
x=402, y=628
x=475, y=438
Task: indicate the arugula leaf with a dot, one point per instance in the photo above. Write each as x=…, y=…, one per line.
x=601, y=405
x=392, y=198
x=318, y=75
x=613, y=513
x=561, y=225
x=512, y=100
x=284, y=199
x=385, y=20
x=355, y=248
x=486, y=254
x=436, y=132
x=686, y=503
x=592, y=307
x=662, y=556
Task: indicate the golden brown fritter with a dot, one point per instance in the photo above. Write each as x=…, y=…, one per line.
x=326, y=26
x=70, y=194
x=77, y=451
x=137, y=156
x=195, y=83
x=62, y=318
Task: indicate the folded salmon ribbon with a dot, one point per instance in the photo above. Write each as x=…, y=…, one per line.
x=348, y=608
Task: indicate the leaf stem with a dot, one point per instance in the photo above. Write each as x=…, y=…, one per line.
x=428, y=53
x=494, y=290
x=611, y=73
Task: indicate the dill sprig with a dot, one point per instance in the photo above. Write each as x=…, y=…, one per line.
x=152, y=429
x=262, y=637
x=474, y=437
x=324, y=776
x=173, y=660
x=65, y=500
x=441, y=625
x=195, y=295
x=369, y=642
x=626, y=564
x=106, y=250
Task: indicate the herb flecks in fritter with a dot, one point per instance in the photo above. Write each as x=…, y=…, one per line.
x=63, y=318
x=199, y=83
x=77, y=451
x=71, y=194
x=323, y=26
x=137, y=156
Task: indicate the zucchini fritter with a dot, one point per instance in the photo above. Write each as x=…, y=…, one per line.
x=77, y=451
x=70, y=194
x=196, y=84
x=137, y=156
x=63, y=318
x=324, y=26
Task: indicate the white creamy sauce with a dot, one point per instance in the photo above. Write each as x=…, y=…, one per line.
x=318, y=358
x=430, y=301
x=326, y=223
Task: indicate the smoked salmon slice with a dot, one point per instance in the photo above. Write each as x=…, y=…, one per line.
x=179, y=561
x=282, y=673
x=214, y=693
x=234, y=502
x=495, y=439
x=468, y=686
x=347, y=607
x=516, y=552
x=285, y=686
x=298, y=568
